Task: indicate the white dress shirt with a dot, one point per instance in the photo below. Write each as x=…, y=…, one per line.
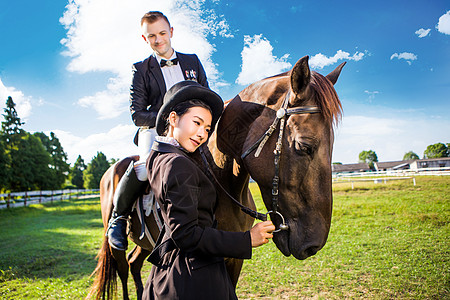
x=172, y=74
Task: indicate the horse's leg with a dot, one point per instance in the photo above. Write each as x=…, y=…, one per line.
x=136, y=259
x=122, y=269
x=234, y=267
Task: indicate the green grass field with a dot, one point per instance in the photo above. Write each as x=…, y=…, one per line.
x=387, y=241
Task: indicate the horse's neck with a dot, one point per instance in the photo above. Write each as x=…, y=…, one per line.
x=234, y=180
x=231, y=176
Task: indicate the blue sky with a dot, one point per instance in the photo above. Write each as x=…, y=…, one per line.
x=67, y=64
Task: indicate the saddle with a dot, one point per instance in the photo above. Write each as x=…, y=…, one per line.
x=144, y=206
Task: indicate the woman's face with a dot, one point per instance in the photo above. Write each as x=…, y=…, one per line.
x=192, y=128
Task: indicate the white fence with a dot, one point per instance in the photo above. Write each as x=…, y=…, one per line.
x=444, y=171
x=16, y=199
x=381, y=176
x=374, y=180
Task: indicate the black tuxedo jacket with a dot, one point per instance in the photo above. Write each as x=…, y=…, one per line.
x=148, y=86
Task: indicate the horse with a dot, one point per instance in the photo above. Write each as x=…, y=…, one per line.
x=280, y=132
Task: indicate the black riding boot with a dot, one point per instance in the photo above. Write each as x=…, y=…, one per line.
x=128, y=190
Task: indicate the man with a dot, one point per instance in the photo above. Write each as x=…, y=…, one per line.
x=151, y=79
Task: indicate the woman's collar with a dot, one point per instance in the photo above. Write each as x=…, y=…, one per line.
x=168, y=140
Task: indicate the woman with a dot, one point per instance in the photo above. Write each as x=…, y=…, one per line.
x=188, y=261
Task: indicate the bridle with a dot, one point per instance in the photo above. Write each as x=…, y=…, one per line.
x=281, y=117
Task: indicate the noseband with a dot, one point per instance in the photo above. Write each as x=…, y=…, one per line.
x=282, y=115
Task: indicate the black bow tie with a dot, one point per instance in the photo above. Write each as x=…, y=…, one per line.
x=168, y=63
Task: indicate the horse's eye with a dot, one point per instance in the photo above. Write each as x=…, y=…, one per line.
x=303, y=149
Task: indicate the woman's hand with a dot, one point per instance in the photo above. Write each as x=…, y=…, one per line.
x=261, y=233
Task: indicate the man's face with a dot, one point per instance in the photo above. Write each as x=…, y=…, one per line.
x=158, y=35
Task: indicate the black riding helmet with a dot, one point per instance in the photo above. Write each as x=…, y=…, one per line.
x=185, y=91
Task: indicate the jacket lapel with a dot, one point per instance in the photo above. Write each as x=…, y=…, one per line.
x=156, y=71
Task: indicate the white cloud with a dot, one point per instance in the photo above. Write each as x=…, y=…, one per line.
x=390, y=138
x=422, y=32
x=443, y=25
x=116, y=143
x=319, y=61
x=371, y=95
x=258, y=62
x=23, y=103
x=105, y=36
x=110, y=102
x=407, y=56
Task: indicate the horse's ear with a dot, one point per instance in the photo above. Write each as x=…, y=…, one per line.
x=333, y=76
x=300, y=76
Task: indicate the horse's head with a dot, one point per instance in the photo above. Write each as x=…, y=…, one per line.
x=305, y=195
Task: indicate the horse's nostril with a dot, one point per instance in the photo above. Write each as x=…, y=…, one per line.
x=312, y=250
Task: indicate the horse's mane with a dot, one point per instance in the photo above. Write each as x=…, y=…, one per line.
x=326, y=98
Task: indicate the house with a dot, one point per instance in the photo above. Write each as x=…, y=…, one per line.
x=350, y=168
x=393, y=165
x=440, y=162
x=414, y=165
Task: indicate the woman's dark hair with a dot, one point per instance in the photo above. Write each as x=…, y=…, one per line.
x=181, y=108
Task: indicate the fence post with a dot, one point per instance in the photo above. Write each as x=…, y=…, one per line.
x=25, y=200
x=40, y=196
x=7, y=200
x=414, y=181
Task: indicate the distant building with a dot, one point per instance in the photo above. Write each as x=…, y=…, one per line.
x=350, y=168
x=441, y=162
x=393, y=165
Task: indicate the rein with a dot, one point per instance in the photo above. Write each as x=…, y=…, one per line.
x=282, y=115
x=245, y=209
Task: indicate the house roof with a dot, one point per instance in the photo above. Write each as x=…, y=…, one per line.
x=360, y=167
x=392, y=164
x=434, y=159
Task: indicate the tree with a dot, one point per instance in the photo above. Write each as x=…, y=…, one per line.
x=29, y=165
x=369, y=157
x=436, y=150
x=410, y=156
x=113, y=161
x=95, y=170
x=4, y=162
x=27, y=161
x=76, y=173
x=11, y=127
x=58, y=163
x=11, y=134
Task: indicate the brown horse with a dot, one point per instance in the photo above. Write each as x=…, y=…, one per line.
x=295, y=180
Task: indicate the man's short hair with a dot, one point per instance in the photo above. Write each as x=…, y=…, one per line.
x=153, y=16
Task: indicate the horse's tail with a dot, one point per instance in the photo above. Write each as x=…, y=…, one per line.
x=105, y=282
